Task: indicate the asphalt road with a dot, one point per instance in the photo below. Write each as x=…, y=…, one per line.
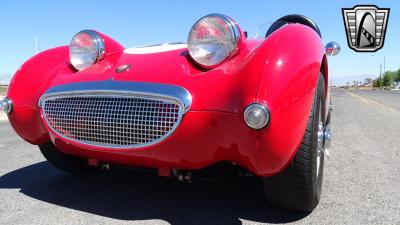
x=361, y=181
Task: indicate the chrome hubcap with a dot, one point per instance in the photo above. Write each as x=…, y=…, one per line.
x=320, y=145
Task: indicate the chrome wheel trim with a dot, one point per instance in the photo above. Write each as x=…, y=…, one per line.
x=320, y=143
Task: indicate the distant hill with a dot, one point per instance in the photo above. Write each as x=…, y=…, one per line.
x=338, y=81
x=5, y=79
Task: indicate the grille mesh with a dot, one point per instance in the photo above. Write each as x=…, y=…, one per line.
x=112, y=121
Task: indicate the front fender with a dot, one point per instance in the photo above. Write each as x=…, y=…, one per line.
x=28, y=83
x=36, y=75
x=287, y=87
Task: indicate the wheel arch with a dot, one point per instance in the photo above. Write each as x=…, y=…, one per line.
x=287, y=87
x=26, y=86
x=325, y=71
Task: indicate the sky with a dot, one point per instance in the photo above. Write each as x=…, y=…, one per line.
x=135, y=23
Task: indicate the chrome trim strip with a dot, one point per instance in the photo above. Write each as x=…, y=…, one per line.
x=151, y=91
x=168, y=91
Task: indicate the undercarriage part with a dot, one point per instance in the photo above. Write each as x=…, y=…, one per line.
x=216, y=172
x=105, y=166
x=164, y=172
x=93, y=162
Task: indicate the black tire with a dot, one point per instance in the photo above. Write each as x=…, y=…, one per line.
x=298, y=187
x=62, y=161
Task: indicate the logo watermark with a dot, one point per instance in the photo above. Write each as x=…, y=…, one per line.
x=365, y=27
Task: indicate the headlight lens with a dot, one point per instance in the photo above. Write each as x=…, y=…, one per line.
x=213, y=39
x=256, y=116
x=86, y=48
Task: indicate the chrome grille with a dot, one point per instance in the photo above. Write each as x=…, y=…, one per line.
x=114, y=120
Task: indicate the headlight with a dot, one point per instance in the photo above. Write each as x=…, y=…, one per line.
x=86, y=48
x=256, y=116
x=213, y=39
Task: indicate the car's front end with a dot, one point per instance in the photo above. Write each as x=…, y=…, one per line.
x=221, y=97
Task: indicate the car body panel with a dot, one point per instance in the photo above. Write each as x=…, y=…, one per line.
x=280, y=71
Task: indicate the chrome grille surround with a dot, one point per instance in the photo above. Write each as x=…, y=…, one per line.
x=113, y=118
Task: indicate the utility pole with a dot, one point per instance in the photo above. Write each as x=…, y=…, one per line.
x=380, y=76
x=384, y=65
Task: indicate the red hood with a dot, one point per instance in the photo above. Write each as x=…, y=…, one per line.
x=218, y=89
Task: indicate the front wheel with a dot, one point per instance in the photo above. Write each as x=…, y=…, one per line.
x=298, y=187
x=62, y=161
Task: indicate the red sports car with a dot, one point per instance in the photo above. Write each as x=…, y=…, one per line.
x=260, y=104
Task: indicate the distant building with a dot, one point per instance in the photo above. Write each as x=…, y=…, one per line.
x=396, y=85
x=369, y=84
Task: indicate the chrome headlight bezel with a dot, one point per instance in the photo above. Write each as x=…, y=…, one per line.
x=256, y=110
x=98, y=54
x=234, y=36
